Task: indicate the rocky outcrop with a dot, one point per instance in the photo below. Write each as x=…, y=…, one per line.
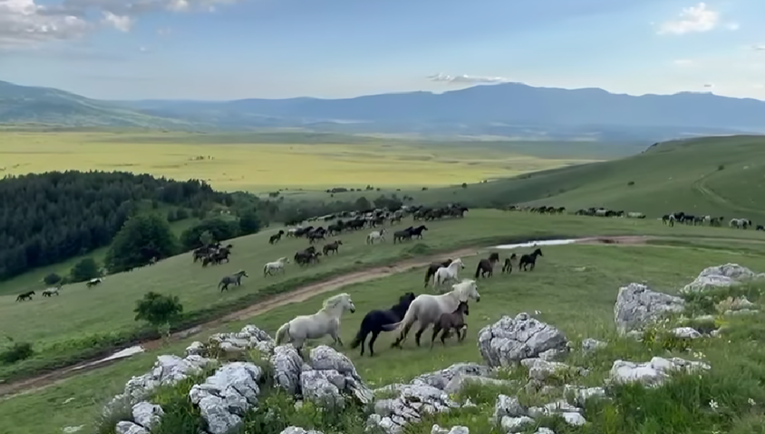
x=331, y=378
x=454, y=430
x=225, y=397
x=589, y=345
x=413, y=401
x=287, y=366
x=721, y=276
x=511, y=340
x=654, y=372
x=250, y=337
x=441, y=379
x=147, y=415
x=637, y=305
x=125, y=427
x=167, y=370
x=298, y=430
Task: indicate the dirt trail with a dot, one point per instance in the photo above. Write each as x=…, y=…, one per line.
x=9, y=390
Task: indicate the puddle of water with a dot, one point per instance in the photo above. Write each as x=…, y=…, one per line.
x=536, y=244
x=123, y=354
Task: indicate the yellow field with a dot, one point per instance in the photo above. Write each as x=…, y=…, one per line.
x=260, y=167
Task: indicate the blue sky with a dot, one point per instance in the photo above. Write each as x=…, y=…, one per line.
x=227, y=49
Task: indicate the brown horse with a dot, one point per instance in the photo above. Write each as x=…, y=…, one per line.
x=486, y=266
x=451, y=321
x=508, y=265
x=332, y=247
x=432, y=268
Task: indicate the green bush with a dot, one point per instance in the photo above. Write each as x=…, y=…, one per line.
x=16, y=352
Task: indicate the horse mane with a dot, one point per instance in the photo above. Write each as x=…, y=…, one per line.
x=333, y=301
x=461, y=289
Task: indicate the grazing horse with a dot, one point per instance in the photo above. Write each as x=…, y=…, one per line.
x=94, y=282
x=432, y=268
x=417, y=232
x=276, y=237
x=485, y=266
x=740, y=223
x=760, y=228
x=451, y=321
x=426, y=309
x=450, y=272
x=324, y=322
x=529, y=260
x=332, y=247
x=278, y=265
x=405, y=234
x=51, y=291
x=235, y=279
x=376, y=236
x=374, y=321
x=25, y=296
x=507, y=267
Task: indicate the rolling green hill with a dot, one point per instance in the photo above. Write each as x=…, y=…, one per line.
x=40, y=105
x=715, y=175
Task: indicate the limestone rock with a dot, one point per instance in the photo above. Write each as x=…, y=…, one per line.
x=440, y=379
x=507, y=406
x=287, y=367
x=721, y=275
x=654, y=372
x=226, y=396
x=589, y=345
x=637, y=305
x=125, y=427
x=147, y=415
x=511, y=340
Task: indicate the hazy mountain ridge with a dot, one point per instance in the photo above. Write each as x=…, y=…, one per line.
x=509, y=110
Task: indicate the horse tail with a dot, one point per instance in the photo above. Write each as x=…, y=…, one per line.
x=478, y=270
x=405, y=324
x=391, y=327
x=427, y=276
x=265, y=268
x=283, y=333
x=360, y=336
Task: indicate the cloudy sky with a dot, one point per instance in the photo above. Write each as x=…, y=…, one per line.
x=224, y=49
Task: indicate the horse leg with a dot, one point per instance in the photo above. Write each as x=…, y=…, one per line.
x=444, y=335
x=375, y=334
x=402, y=336
x=419, y=333
x=436, y=329
x=336, y=336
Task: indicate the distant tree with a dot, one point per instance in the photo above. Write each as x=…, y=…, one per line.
x=249, y=223
x=52, y=279
x=142, y=238
x=362, y=203
x=464, y=185
x=158, y=310
x=206, y=238
x=220, y=229
x=84, y=270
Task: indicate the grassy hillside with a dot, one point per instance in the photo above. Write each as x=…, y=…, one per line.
x=715, y=175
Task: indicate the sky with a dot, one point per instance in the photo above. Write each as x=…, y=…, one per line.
x=231, y=49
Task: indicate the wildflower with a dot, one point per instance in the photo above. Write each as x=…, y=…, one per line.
x=751, y=402
x=713, y=404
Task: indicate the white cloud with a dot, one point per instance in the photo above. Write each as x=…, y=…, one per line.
x=697, y=18
x=683, y=62
x=25, y=23
x=143, y=49
x=709, y=85
x=758, y=47
x=122, y=23
x=466, y=79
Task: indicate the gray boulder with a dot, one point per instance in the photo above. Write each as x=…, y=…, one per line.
x=147, y=415
x=652, y=373
x=250, y=337
x=589, y=345
x=720, y=276
x=637, y=305
x=324, y=358
x=125, y=427
x=413, y=401
x=440, y=379
x=287, y=367
x=511, y=340
x=298, y=430
x=324, y=388
x=226, y=396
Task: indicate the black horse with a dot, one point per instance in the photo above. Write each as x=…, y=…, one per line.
x=375, y=321
x=486, y=266
x=275, y=237
x=404, y=234
x=529, y=260
x=417, y=232
x=432, y=268
x=760, y=228
x=25, y=296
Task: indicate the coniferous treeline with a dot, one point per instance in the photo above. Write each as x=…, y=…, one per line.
x=47, y=218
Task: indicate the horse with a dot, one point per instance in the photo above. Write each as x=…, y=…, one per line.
x=405, y=234
x=376, y=236
x=51, y=291
x=486, y=266
x=277, y=265
x=739, y=223
x=417, y=232
x=374, y=321
x=324, y=322
x=332, y=247
x=235, y=278
x=276, y=237
x=760, y=228
x=426, y=309
x=444, y=274
x=451, y=321
x=529, y=260
x=25, y=296
x=507, y=267
x=432, y=268
x=94, y=282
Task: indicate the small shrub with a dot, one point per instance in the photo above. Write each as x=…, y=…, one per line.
x=464, y=185
x=52, y=279
x=17, y=352
x=721, y=167
x=158, y=310
x=631, y=183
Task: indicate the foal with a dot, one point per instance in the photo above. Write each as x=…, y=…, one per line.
x=507, y=267
x=451, y=321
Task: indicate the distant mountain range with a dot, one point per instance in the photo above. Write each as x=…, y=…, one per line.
x=509, y=110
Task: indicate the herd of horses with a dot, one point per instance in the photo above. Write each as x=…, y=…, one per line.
x=56, y=290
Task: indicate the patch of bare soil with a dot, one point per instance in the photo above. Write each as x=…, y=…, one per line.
x=627, y=239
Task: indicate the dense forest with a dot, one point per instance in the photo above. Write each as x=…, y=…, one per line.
x=47, y=218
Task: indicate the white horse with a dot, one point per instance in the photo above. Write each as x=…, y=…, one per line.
x=740, y=223
x=272, y=267
x=51, y=291
x=322, y=323
x=94, y=281
x=426, y=309
x=376, y=236
x=445, y=274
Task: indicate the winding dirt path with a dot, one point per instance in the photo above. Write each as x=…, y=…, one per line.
x=9, y=390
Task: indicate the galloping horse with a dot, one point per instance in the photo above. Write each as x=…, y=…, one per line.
x=332, y=247
x=376, y=236
x=25, y=296
x=432, y=268
x=375, y=321
x=507, y=267
x=51, y=291
x=426, y=309
x=94, y=282
x=486, y=266
x=277, y=265
x=235, y=279
x=529, y=260
x=276, y=237
x=450, y=272
x=324, y=322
